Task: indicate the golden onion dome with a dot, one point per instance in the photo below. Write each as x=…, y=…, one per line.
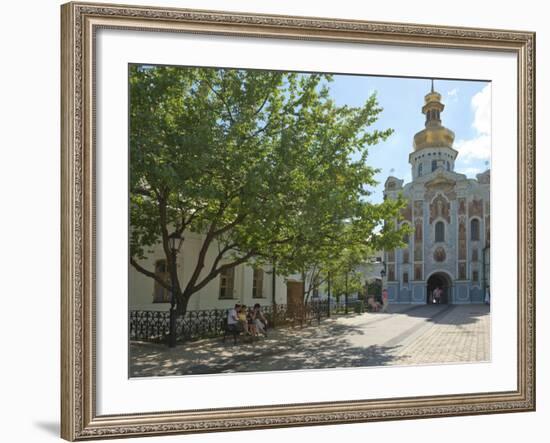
x=435, y=135
x=434, y=138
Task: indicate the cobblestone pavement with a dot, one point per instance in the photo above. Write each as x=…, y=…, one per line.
x=407, y=335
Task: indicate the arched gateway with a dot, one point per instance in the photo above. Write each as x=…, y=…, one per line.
x=439, y=280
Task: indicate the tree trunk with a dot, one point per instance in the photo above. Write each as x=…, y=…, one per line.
x=181, y=307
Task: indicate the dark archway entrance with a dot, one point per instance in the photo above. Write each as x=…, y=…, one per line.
x=439, y=280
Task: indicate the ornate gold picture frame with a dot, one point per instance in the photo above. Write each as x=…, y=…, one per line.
x=80, y=24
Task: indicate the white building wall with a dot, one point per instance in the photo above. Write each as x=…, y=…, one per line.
x=141, y=287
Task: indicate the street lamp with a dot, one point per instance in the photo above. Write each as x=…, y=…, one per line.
x=346, y=293
x=273, y=273
x=383, y=274
x=174, y=241
x=328, y=294
x=485, y=267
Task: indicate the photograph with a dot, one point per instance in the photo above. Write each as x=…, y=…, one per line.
x=287, y=220
x=334, y=216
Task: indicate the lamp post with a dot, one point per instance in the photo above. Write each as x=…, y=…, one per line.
x=383, y=275
x=328, y=294
x=485, y=269
x=173, y=239
x=346, y=293
x=273, y=273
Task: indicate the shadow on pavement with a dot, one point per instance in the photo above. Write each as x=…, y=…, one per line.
x=449, y=314
x=285, y=349
x=339, y=342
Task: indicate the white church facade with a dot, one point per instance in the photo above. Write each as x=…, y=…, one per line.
x=449, y=217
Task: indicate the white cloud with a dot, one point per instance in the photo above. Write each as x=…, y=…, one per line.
x=453, y=94
x=479, y=147
x=481, y=104
x=471, y=172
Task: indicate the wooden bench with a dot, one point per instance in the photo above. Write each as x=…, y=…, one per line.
x=235, y=331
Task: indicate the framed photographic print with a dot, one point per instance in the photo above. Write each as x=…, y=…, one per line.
x=255, y=206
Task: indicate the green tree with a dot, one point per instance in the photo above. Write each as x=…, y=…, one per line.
x=344, y=270
x=349, y=243
x=263, y=164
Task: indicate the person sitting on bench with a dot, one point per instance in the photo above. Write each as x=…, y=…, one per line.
x=243, y=321
x=251, y=322
x=373, y=304
x=260, y=320
x=233, y=324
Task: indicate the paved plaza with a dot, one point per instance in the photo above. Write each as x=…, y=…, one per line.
x=407, y=335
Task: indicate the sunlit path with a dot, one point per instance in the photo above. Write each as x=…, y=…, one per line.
x=409, y=335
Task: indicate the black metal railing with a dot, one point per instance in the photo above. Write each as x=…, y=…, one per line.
x=155, y=325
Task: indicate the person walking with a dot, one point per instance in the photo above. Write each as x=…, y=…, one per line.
x=385, y=300
x=434, y=296
x=437, y=295
x=487, y=296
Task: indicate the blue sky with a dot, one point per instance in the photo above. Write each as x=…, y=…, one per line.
x=467, y=113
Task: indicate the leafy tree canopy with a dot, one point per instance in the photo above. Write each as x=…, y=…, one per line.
x=263, y=164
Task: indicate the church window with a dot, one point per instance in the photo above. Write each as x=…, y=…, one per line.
x=405, y=256
x=475, y=275
x=420, y=170
x=391, y=272
x=405, y=278
x=161, y=294
x=462, y=271
x=474, y=230
x=448, y=166
x=227, y=277
x=406, y=236
x=434, y=165
x=258, y=283
x=418, y=272
x=439, y=232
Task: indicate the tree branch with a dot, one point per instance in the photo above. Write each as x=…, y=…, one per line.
x=229, y=226
x=220, y=97
x=170, y=257
x=142, y=191
x=214, y=273
x=221, y=253
x=154, y=276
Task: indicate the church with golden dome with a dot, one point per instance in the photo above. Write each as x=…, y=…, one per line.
x=449, y=216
